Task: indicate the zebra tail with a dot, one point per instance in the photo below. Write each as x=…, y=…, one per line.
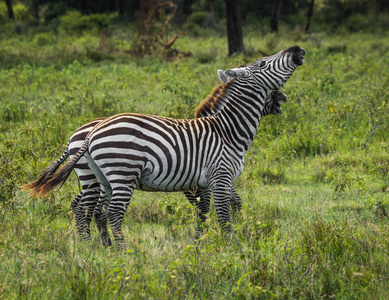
x=61, y=175
x=46, y=173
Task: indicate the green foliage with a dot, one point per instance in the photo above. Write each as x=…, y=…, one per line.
x=200, y=22
x=54, y=11
x=74, y=21
x=3, y=10
x=22, y=13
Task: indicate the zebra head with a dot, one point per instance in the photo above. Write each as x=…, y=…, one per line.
x=270, y=72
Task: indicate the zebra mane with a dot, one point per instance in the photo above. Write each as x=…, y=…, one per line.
x=214, y=102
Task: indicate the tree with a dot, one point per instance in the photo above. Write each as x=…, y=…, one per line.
x=153, y=38
x=11, y=14
x=275, y=15
x=309, y=15
x=234, y=26
x=187, y=7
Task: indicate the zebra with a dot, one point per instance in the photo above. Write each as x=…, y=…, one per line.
x=83, y=205
x=133, y=151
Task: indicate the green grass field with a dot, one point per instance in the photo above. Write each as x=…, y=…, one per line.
x=315, y=221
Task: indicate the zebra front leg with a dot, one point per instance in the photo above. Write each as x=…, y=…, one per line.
x=100, y=214
x=202, y=205
x=121, y=196
x=236, y=204
x=221, y=190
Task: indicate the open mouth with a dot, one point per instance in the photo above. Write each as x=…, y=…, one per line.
x=277, y=106
x=279, y=99
x=299, y=60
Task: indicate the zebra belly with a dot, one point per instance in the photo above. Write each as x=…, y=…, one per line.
x=184, y=183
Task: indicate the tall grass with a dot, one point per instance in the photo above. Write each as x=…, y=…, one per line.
x=315, y=186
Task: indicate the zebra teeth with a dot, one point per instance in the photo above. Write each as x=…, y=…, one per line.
x=281, y=102
x=278, y=110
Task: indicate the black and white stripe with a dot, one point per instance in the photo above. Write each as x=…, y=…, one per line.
x=85, y=202
x=133, y=151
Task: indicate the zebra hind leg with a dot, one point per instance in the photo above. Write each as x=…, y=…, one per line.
x=86, y=206
x=100, y=214
x=121, y=196
x=74, y=206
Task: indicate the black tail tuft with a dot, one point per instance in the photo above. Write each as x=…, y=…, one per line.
x=58, y=179
x=45, y=176
x=49, y=180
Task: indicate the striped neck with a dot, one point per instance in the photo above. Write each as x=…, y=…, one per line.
x=239, y=112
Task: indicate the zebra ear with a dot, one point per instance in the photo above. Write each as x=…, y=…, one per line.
x=237, y=72
x=223, y=76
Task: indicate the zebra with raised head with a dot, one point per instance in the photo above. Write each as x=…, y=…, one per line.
x=83, y=205
x=134, y=151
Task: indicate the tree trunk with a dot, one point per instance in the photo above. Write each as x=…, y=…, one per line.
x=187, y=7
x=234, y=27
x=309, y=15
x=275, y=15
x=10, y=9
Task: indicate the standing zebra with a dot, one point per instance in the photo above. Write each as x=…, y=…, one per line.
x=152, y=153
x=83, y=205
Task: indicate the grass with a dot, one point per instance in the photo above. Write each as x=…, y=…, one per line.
x=315, y=221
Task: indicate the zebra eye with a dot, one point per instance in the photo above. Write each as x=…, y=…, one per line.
x=262, y=64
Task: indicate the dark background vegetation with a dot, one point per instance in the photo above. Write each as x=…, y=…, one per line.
x=189, y=15
x=315, y=220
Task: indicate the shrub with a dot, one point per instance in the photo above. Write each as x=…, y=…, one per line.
x=54, y=11
x=3, y=10
x=22, y=13
x=74, y=21
x=42, y=39
x=201, y=20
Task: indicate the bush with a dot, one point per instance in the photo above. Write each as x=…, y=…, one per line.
x=201, y=20
x=42, y=39
x=54, y=11
x=74, y=21
x=3, y=10
x=22, y=13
